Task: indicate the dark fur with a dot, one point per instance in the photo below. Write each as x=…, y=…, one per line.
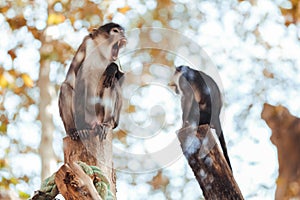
x=197, y=85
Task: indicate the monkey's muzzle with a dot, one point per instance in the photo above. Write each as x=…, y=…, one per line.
x=174, y=87
x=116, y=47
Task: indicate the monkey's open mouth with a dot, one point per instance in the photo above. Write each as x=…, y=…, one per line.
x=115, y=48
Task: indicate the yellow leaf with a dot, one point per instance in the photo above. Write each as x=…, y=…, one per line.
x=110, y=17
x=124, y=10
x=131, y=109
x=3, y=129
x=3, y=81
x=27, y=80
x=3, y=163
x=23, y=195
x=55, y=18
x=121, y=136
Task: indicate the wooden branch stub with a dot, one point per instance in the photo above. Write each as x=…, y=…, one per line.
x=73, y=183
x=92, y=151
x=208, y=163
x=286, y=137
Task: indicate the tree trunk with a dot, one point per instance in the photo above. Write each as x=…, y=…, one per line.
x=208, y=164
x=286, y=137
x=48, y=158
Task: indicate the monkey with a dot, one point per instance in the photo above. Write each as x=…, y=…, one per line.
x=107, y=106
x=79, y=98
x=199, y=93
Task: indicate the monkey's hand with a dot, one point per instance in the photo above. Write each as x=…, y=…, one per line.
x=110, y=74
x=102, y=130
x=108, y=81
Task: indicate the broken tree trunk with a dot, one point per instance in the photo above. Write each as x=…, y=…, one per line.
x=91, y=151
x=286, y=137
x=208, y=163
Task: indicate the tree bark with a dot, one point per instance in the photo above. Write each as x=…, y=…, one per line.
x=286, y=137
x=208, y=163
x=92, y=151
x=73, y=183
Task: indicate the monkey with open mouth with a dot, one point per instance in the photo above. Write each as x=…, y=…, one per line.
x=90, y=97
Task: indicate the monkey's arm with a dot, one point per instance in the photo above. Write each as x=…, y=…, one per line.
x=66, y=107
x=66, y=96
x=109, y=92
x=118, y=101
x=118, y=81
x=111, y=74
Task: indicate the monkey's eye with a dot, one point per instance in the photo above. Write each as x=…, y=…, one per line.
x=115, y=30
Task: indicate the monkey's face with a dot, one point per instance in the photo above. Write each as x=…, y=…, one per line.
x=118, y=41
x=110, y=38
x=174, y=84
x=182, y=81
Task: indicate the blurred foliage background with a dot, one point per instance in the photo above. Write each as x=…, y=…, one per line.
x=254, y=44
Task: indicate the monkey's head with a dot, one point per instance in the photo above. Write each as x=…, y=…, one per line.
x=110, y=39
x=182, y=79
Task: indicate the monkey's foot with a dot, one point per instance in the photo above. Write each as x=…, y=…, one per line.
x=73, y=134
x=102, y=130
x=82, y=134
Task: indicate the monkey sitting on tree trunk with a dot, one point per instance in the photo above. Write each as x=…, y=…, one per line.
x=90, y=97
x=200, y=101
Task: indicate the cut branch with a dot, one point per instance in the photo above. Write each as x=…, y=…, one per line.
x=73, y=183
x=208, y=163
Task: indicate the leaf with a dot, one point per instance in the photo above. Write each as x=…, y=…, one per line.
x=23, y=195
x=17, y=22
x=110, y=17
x=14, y=181
x=3, y=127
x=35, y=32
x=159, y=181
x=3, y=163
x=124, y=10
x=131, y=109
x=3, y=81
x=121, y=136
x=4, y=9
x=12, y=54
x=268, y=74
x=55, y=18
x=27, y=80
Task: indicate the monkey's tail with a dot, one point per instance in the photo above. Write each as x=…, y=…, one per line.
x=224, y=148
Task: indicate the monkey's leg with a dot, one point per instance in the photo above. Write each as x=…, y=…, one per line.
x=106, y=112
x=66, y=109
x=85, y=114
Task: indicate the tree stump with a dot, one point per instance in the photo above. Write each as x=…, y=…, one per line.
x=91, y=151
x=208, y=163
x=286, y=137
